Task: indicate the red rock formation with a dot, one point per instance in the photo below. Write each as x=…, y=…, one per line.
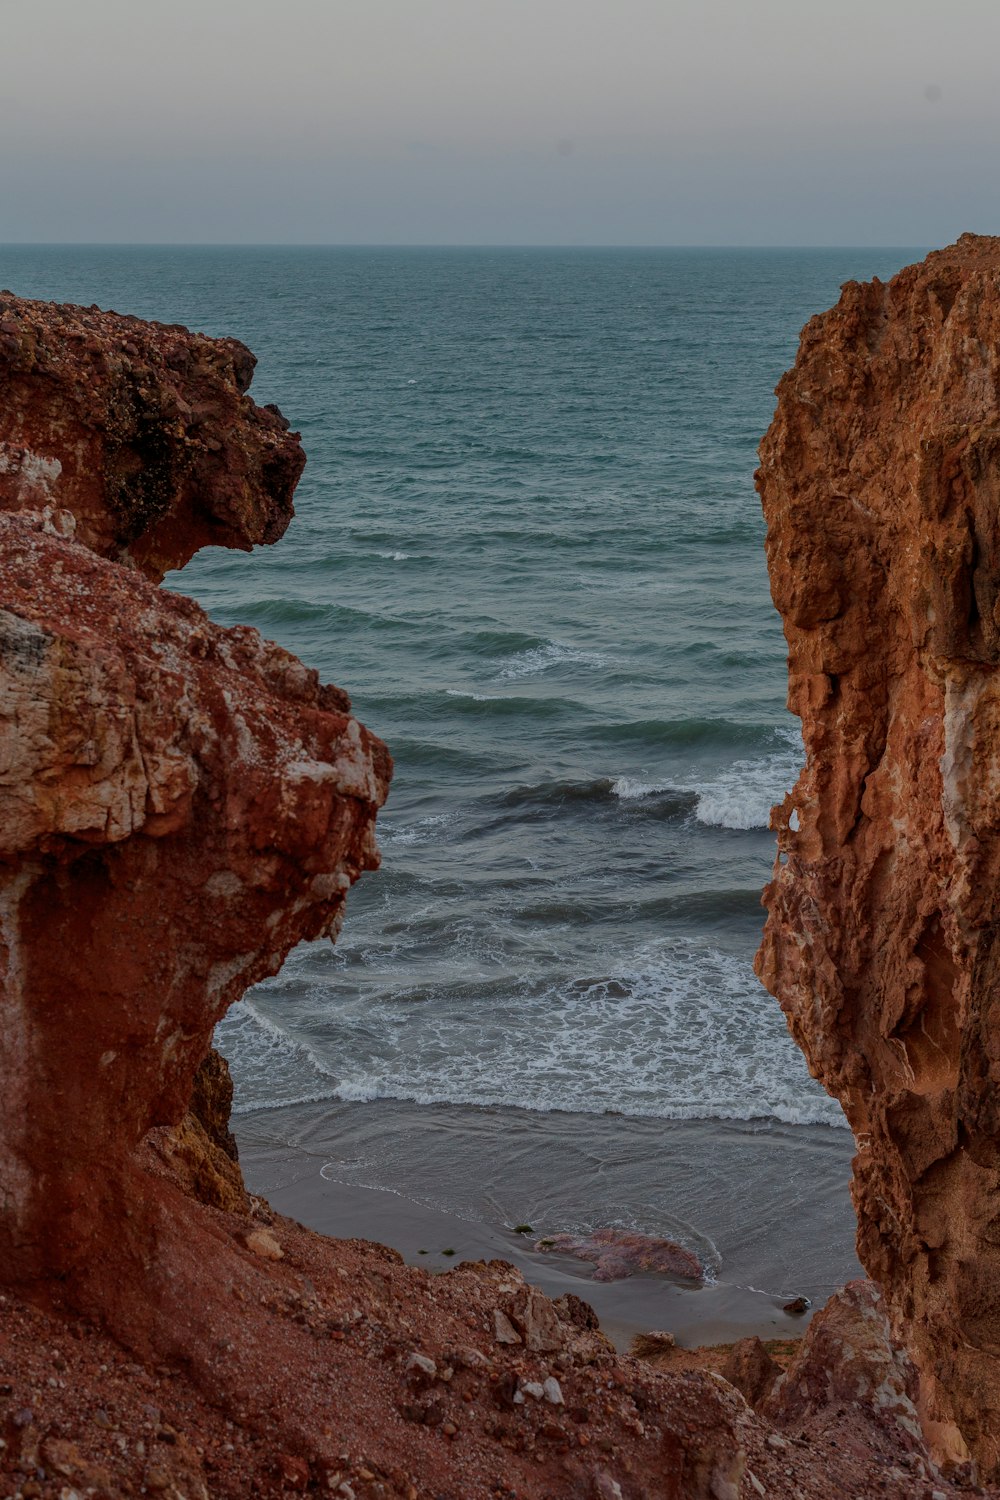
x=617, y=1253
x=850, y=1389
x=179, y=805
x=880, y=480
x=142, y=431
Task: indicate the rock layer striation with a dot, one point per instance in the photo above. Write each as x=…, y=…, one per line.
x=880, y=481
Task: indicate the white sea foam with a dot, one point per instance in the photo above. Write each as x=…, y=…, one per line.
x=742, y=795
x=269, y=1064
x=392, y=834
x=476, y=697
x=629, y=789
x=683, y=1031
x=395, y=556
x=543, y=658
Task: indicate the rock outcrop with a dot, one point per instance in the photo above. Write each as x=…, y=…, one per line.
x=880, y=481
x=179, y=804
x=618, y=1253
x=142, y=431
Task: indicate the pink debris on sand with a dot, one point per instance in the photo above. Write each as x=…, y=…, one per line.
x=618, y=1253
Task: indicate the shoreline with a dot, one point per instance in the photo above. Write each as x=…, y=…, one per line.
x=298, y=1158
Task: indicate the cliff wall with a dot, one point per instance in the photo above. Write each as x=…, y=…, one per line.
x=179, y=804
x=880, y=481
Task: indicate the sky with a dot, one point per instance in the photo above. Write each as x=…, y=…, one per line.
x=606, y=122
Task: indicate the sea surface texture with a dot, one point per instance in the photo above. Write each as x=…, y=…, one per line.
x=528, y=544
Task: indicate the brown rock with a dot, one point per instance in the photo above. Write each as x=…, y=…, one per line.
x=618, y=1253
x=293, y=1471
x=573, y=1309
x=263, y=1243
x=179, y=807
x=212, y=1102
x=751, y=1370
x=850, y=1378
x=201, y=1151
x=504, y=1329
x=63, y=1458
x=537, y=1321
x=138, y=437
x=651, y=1345
x=880, y=481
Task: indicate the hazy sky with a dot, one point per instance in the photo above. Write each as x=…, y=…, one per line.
x=515, y=121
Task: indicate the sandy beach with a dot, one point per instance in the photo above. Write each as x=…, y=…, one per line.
x=766, y=1206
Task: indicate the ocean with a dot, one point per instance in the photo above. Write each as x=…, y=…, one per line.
x=527, y=543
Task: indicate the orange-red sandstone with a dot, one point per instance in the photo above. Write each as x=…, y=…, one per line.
x=880, y=480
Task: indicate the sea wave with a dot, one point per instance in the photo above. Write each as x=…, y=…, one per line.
x=682, y=1031
x=696, y=733
x=544, y=658
x=630, y=789
x=663, y=801
x=738, y=796
x=393, y=835
x=741, y=796
x=268, y=1063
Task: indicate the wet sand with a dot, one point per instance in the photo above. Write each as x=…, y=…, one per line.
x=765, y=1205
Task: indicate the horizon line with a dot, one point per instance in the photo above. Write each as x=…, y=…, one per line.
x=418, y=245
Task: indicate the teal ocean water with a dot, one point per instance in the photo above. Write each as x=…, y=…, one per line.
x=528, y=544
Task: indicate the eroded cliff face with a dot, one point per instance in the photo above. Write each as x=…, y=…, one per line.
x=880, y=481
x=179, y=804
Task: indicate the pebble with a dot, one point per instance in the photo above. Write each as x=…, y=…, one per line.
x=422, y=1363
x=471, y=1359
x=553, y=1391
x=505, y=1331
x=263, y=1243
